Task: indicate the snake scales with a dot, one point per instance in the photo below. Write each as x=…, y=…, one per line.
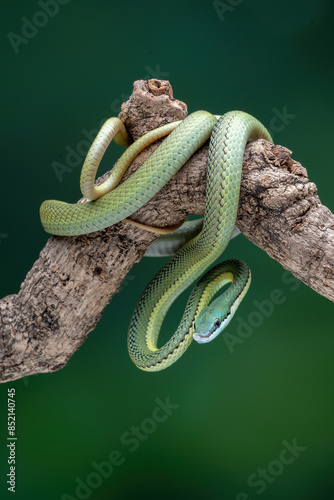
x=201, y=320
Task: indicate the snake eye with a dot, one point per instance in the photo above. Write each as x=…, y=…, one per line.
x=216, y=323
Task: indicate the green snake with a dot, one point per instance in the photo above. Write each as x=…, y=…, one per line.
x=201, y=320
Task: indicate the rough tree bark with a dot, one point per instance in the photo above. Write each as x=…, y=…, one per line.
x=65, y=292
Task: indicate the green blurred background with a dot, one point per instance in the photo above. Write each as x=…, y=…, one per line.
x=236, y=403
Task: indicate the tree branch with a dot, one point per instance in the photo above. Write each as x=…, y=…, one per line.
x=64, y=294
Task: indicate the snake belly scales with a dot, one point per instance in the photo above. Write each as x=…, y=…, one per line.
x=201, y=320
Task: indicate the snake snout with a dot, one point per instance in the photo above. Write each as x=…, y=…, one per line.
x=209, y=326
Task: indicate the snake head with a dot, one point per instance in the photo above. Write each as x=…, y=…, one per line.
x=210, y=322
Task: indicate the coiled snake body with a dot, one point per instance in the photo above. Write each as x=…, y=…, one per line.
x=201, y=320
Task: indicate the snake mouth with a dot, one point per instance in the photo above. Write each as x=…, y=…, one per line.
x=203, y=338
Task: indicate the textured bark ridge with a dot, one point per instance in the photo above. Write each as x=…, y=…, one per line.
x=64, y=294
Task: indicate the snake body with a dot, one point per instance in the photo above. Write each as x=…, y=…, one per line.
x=201, y=320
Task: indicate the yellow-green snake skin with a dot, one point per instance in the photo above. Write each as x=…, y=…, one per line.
x=201, y=320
